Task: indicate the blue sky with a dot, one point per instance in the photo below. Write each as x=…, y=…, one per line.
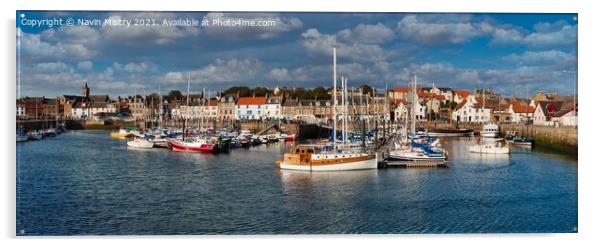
x=510, y=53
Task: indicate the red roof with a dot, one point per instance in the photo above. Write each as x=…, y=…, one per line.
x=462, y=93
x=522, y=108
x=251, y=101
x=212, y=102
x=401, y=89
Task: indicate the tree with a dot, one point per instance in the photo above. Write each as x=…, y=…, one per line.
x=174, y=95
x=366, y=89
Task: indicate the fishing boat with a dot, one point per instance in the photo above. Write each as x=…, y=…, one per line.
x=192, y=145
x=489, y=148
x=490, y=130
x=22, y=136
x=140, y=143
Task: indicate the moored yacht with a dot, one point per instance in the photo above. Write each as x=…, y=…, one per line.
x=308, y=158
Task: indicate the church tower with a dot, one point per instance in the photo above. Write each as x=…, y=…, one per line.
x=86, y=90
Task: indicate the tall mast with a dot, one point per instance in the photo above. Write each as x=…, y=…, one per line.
x=344, y=103
x=334, y=97
x=187, y=105
x=483, y=106
x=413, y=110
x=160, y=108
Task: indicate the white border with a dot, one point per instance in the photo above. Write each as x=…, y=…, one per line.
x=589, y=185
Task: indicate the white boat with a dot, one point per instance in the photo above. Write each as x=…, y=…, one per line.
x=490, y=130
x=35, y=135
x=21, y=136
x=489, y=148
x=140, y=143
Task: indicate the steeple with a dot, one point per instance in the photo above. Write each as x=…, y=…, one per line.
x=86, y=90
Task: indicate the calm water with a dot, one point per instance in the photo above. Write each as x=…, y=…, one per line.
x=84, y=183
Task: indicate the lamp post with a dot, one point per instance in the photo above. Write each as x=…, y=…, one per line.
x=574, y=72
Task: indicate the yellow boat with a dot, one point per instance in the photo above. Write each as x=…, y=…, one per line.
x=122, y=133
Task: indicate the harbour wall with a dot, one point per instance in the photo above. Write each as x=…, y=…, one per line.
x=561, y=139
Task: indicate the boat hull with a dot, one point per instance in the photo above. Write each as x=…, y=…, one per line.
x=22, y=138
x=349, y=166
x=494, y=150
x=140, y=144
x=202, y=148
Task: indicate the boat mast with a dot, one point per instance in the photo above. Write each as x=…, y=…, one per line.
x=344, y=103
x=334, y=97
x=413, y=109
x=187, y=107
x=160, y=109
x=483, y=106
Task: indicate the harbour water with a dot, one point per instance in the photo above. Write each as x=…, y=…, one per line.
x=82, y=183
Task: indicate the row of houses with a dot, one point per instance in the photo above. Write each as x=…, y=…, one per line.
x=432, y=103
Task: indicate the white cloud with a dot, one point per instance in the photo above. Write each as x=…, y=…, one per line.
x=279, y=74
x=85, y=65
x=430, y=32
x=135, y=67
x=33, y=47
x=233, y=70
x=545, y=35
x=317, y=43
x=367, y=34
x=51, y=67
x=541, y=58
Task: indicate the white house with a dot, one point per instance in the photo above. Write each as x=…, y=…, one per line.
x=520, y=112
x=469, y=111
x=555, y=113
x=273, y=108
x=250, y=108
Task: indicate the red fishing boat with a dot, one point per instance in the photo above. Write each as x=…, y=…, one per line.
x=192, y=145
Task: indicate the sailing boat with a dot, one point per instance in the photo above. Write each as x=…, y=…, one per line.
x=312, y=158
x=419, y=147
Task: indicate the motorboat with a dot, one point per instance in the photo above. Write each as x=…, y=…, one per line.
x=140, y=143
x=490, y=130
x=50, y=132
x=523, y=141
x=35, y=135
x=490, y=148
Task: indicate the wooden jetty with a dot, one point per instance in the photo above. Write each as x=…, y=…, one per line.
x=412, y=164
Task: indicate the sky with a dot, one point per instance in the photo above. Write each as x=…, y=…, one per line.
x=514, y=54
